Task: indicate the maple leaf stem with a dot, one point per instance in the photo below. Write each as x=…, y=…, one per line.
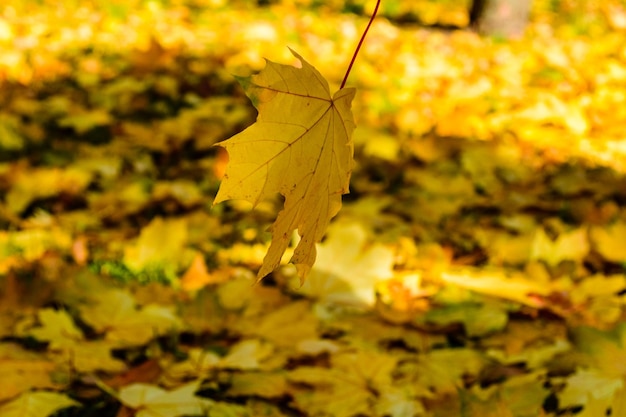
x=358, y=47
x=103, y=387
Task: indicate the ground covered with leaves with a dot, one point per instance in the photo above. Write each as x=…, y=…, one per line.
x=476, y=269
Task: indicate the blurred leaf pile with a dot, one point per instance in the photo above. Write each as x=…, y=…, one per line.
x=477, y=268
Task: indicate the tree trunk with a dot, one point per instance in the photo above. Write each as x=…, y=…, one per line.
x=501, y=18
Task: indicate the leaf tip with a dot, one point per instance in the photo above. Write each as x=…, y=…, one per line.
x=302, y=270
x=297, y=55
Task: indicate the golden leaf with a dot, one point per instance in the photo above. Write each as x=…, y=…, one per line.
x=196, y=276
x=347, y=388
x=160, y=245
x=150, y=400
x=21, y=370
x=573, y=245
x=348, y=269
x=497, y=283
x=36, y=404
x=608, y=241
x=300, y=147
x=116, y=315
x=58, y=328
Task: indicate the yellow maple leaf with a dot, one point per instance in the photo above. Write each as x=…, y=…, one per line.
x=150, y=400
x=91, y=356
x=608, y=241
x=83, y=121
x=347, y=388
x=246, y=354
x=21, y=370
x=115, y=314
x=300, y=147
x=159, y=245
x=498, y=283
x=573, y=245
x=58, y=328
x=36, y=404
x=285, y=326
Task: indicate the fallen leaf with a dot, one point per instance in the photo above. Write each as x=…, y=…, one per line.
x=477, y=319
x=441, y=371
x=346, y=389
x=597, y=407
x=92, y=356
x=10, y=139
x=520, y=396
x=299, y=147
x=225, y=409
x=599, y=298
x=259, y=384
x=86, y=120
x=589, y=383
x=43, y=183
x=34, y=243
x=36, y=404
x=116, y=314
x=285, y=326
x=497, y=283
x=618, y=406
x=604, y=349
x=572, y=246
x=160, y=245
x=609, y=241
x=198, y=364
x=196, y=275
x=399, y=402
x=246, y=355
x=348, y=269
x=152, y=401
x=21, y=370
x=58, y=328
x=150, y=370
x=504, y=248
x=80, y=250
x=186, y=193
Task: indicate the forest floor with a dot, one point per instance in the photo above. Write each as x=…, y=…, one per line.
x=477, y=268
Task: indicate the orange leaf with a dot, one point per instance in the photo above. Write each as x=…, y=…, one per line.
x=196, y=276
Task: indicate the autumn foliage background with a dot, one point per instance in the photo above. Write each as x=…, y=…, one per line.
x=476, y=269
